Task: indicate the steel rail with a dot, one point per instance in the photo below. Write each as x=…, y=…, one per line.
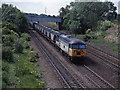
x=56, y=68
x=104, y=52
x=103, y=80
x=104, y=58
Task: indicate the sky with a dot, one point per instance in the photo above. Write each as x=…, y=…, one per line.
x=40, y=6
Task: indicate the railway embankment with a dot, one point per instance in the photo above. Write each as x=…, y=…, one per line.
x=49, y=77
x=94, y=65
x=110, y=66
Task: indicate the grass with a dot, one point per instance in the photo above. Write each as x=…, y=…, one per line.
x=101, y=41
x=27, y=74
x=22, y=73
x=53, y=25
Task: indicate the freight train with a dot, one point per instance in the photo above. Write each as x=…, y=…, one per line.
x=74, y=48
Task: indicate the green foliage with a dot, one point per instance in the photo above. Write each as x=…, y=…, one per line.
x=5, y=78
x=9, y=25
x=26, y=36
x=5, y=30
x=5, y=66
x=9, y=37
x=18, y=46
x=87, y=14
x=104, y=25
x=23, y=72
x=24, y=67
x=24, y=43
x=88, y=31
x=33, y=56
x=26, y=72
x=25, y=82
x=75, y=26
x=13, y=19
x=4, y=85
x=7, y=54
x=21, y=22
x=8, y=40
x=88, y=37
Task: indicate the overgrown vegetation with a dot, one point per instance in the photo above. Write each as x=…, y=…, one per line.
x=19, y=67
x=81, y=16
x=90, y=21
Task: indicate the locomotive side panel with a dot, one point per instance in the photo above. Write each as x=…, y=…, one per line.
x=64, y=46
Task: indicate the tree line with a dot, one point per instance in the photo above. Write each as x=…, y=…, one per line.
x=80, y=16
x=19, y=67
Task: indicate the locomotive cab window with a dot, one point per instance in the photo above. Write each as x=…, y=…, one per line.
x=78, y=47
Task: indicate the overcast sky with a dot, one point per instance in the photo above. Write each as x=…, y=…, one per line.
x=38, y=6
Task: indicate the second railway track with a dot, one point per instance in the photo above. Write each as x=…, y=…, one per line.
x=113, y=60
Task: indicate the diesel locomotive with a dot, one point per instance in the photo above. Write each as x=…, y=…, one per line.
x=73, y=47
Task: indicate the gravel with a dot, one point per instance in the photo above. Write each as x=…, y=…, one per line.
x=49, y=77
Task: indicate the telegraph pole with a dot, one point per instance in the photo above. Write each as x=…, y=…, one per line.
x=46, y=11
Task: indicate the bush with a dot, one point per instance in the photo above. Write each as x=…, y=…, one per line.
x=26, y=44
x=5, y=77
x=88, y=37
x=7, y=54
x=18, y=46
x=23, y=68
x=29, y=81
x=104, y=25
x=5, y=31
x=7, y=40
x=4, y=85
x=26, y=36
x=5, y=66
x=33, y=56
x=88, y=31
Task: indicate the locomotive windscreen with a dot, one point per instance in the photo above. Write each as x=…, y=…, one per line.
x=78, y=47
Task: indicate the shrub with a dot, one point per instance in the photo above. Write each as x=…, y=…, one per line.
x=5, y=77
x=88, y=31
x=24, y=67
x=104, y=25
x=5, y=30
x=29, y=81
x=7, y=40
x=4, y=85
x=26, y=44
x=33, y=56
x=7, y=54
x=26, y=36
x=88, y=37
x=5, y=66
x=18, y=46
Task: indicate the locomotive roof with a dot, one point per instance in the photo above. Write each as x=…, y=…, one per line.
x=71, y=40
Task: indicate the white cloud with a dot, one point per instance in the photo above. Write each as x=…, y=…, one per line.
x=46, y=1
x=38, y=6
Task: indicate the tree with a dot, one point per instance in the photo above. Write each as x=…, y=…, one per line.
x=21, y=22
x=75, y=26
x=62, y=12
x=18, y=46
x=87, y=13
x=13, y=19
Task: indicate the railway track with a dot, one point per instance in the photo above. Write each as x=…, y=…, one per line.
x=68, y=81
x=111, y=59
x=96, y=79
